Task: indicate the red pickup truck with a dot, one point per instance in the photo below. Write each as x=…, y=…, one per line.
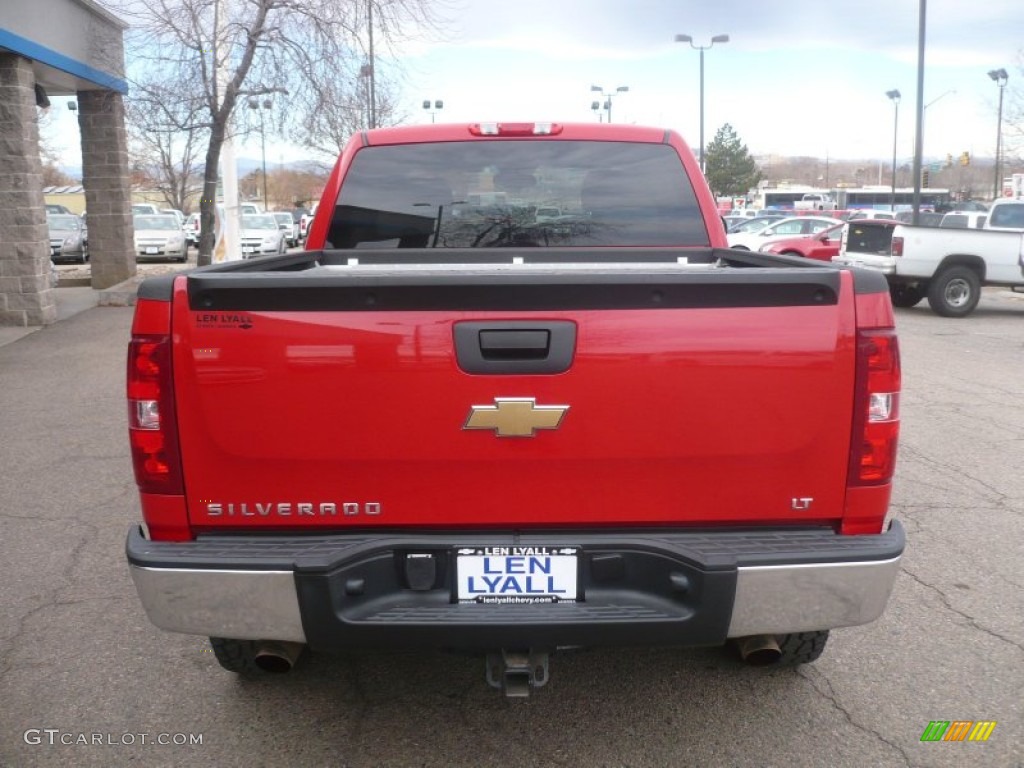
x=452, y=423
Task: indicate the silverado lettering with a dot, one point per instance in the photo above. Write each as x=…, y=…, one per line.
x=285, y=509
x=724, y=478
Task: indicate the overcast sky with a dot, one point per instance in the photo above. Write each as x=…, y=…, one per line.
x=797, y=77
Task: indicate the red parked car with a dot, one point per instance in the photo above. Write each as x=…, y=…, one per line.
x=822, y=245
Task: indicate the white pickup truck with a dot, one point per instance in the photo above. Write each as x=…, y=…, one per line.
x=814, y=201
x=950, y=266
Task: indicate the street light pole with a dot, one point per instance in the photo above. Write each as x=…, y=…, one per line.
x=702, y=48
x=895, y=96
x=437, y=105
x=608, y=97
x=372, y=108
x=267, y=104
x=366, y=76
x=1000, y=77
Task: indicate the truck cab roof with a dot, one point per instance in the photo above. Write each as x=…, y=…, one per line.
x=1007, y=215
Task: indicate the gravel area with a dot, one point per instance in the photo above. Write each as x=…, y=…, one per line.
x=73, y=273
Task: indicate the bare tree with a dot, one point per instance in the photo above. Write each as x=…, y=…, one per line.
x=1013, y=124
x=341, y=107
x=167, y=132
x=225, y=51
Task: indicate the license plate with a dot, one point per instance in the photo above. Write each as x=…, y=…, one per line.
x=249, y=250
x=151, y=251
x=517, y=575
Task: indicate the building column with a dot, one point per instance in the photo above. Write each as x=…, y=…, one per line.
x=105, y=176
x=26, y=297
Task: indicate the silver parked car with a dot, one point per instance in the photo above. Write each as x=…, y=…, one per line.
x=261, y=235
x=289, y=226
x=68, y=237
x=159, y=236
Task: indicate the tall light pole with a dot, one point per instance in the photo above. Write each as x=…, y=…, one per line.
x=366, y=76
x=372, y=109
x=607, y=96
x=702, y=48
x=437, y=105
x=895, y=96
x=260, y=106
x=1000, y=77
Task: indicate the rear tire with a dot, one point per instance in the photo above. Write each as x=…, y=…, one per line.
x=954, y=292
x=801, y=648
x=906, y=296
x=235, y=655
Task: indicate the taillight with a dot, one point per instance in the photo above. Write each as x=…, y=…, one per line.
x=877, y=418
x=152, y=426
x=897, y=246
x=876, y=426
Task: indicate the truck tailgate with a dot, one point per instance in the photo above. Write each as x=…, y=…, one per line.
x=342, y=398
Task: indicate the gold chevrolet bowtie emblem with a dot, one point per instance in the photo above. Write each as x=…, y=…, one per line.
x=515, y=416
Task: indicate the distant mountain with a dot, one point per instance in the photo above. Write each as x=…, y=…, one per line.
x=74, y=171
x=246, y=165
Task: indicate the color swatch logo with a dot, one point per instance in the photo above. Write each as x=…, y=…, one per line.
x=958, y=730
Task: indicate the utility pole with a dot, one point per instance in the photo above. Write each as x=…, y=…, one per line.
x=373, y=64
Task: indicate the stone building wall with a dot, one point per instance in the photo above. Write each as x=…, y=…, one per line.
x=105, y=176
x=26, y=297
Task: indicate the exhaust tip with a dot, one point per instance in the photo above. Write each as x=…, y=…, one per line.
x=759, y=650
x=277, y=657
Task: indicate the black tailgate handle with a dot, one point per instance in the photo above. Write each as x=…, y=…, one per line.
x=515, y=346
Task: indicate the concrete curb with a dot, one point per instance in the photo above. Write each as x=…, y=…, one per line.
x=75, y=282
x=120, y=295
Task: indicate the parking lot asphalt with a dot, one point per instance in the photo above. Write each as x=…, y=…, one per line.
x=79, y=659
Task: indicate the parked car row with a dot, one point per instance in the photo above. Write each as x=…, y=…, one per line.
x=821, y=240
x=969, y=215
x=168, y=233
x=754, y=237
x=286, y=221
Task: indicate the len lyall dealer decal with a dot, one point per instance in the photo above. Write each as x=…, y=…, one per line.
x=223, y=320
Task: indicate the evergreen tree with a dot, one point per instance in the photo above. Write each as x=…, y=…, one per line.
x=729, y=168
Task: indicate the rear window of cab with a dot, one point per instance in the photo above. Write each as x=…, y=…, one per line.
x=481, y=194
